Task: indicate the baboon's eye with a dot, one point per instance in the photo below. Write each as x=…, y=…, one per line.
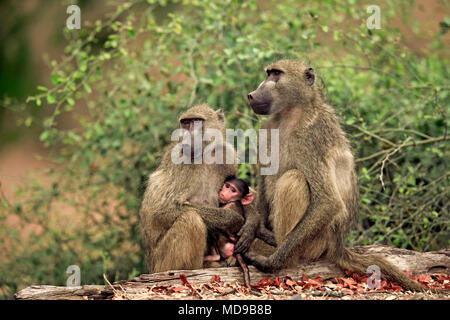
x=188, y=123
x=309, y=75
x=274, y=72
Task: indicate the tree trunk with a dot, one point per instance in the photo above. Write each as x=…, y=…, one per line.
x=417, y=262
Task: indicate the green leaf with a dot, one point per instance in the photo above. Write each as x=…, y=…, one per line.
x=44, y=135
x=51, y=98
x=87, y=88
x=55, y=79
x=28, y=121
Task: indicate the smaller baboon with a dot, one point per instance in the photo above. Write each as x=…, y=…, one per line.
x=235, y=194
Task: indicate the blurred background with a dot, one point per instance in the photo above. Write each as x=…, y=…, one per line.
x=85, y=115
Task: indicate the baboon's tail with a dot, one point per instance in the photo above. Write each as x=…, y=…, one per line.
x=350, y=260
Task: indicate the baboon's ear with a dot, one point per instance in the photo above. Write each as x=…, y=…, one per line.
x=220, y=115
x=310, y=77
x=246, y=200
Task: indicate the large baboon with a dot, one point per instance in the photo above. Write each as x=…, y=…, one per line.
x=174, y=234
x=313, y=200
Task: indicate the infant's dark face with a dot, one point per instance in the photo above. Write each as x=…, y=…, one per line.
x=229, y=193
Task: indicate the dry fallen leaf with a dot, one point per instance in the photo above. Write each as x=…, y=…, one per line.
x=281, y=288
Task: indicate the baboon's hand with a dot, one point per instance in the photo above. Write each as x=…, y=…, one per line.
x=246, y=235
x=244, y=243
x=266, y=235
x=262, y=263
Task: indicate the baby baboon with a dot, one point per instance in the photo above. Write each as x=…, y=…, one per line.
x=313, y=200
x=174, y=234
x=235, y=194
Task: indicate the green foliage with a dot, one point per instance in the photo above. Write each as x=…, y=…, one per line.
x=129, y=76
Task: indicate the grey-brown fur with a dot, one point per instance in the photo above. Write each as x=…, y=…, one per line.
x=174, y=234
x=312, y=202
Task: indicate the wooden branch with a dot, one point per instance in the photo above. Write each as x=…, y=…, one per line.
x=414, y=143
x=417, y=262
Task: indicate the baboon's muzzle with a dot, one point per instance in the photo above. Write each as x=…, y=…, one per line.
x=258, y=106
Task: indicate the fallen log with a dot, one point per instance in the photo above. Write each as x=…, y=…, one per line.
x=417, y=262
